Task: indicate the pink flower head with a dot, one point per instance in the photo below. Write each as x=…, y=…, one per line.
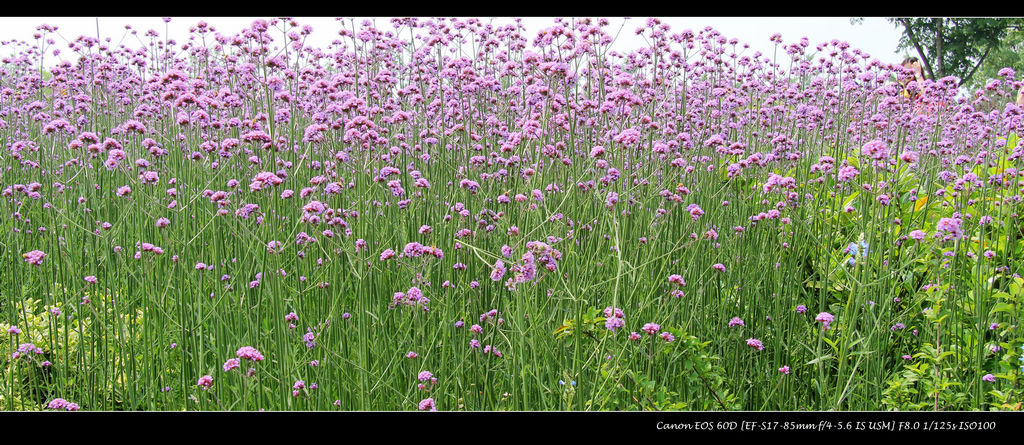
x=611, y=200
x=34, y=257
x=205, y=381
x=784, y=369
x=413, y=249
x=427, y=405
x=249, y=353
x=755, y=343
x=424, y=376
x=59, y=403
x=613, y=323
x=695, y=211
x=875, y=149
x=651, y=328
x=825, y=318
x=498, y=271
x=952, y=226
x=909, y=157
x=719, y=267
x=736, y=321
x=610, y=312
x=847, y=174
x=628, y=137
x=230, y=364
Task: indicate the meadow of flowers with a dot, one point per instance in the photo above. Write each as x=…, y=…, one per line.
x=448, y=215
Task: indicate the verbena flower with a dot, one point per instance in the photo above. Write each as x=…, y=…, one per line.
x=205, y=381
x=34, y=257
x=230, y=364
x=427, y=405
x=62, y=404
x=824, y=317
x=755, y=343
x=249, y=353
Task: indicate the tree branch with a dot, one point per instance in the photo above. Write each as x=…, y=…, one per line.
x=917, y=45
x=939, y=55
x=976, y=66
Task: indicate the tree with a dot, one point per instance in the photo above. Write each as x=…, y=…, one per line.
x=953, y=46
x=1010, y=53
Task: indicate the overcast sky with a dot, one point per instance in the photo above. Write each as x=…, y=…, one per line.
x=875, y=35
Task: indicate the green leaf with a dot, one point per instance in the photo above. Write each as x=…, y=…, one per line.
x=850, y=198
x=819, y=359
x=831, y=343
x=1001, y=307
x=1015, y=286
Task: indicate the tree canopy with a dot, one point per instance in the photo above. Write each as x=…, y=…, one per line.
x=1010, y=53
x=955, y=47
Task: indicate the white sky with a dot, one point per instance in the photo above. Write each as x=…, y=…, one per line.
x=875, y=35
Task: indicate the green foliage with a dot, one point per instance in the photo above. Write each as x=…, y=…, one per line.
x=59, y=331
x=951, y=307
x=1009, y=53
x=901, y=393
x=25, y=382
x=926, y=385
x=635, y=386
x=952, y=46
